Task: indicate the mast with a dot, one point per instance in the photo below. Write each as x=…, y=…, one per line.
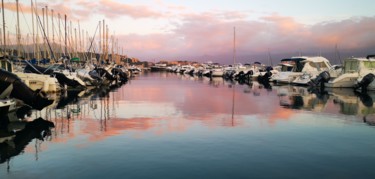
x=71, y=39
x=46, y=27
x=47, y=36
x=106, y=43
x=60, y=43
x=44, y=38
x=32, y=20
x=269, y=57
x=75, y=42
x=100, y=40
x=79, y=39
x=18, y=31
x=53, y=30
x=234, y=45
x=66, y=45
x=4, y=34
x=112, y=50
x=37, y=32
x=103, y=40
x=338, y=54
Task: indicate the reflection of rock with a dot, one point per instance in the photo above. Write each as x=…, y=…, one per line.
x=13, y=143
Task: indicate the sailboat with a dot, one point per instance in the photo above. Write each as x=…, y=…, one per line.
x=44, y=83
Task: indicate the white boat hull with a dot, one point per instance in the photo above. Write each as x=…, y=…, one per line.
x=46, y=83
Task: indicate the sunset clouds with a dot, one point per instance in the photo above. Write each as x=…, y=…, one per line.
x=170, y=30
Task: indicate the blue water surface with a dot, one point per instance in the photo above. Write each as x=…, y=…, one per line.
x=162, y=125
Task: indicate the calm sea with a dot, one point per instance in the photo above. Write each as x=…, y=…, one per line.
x=164, y=125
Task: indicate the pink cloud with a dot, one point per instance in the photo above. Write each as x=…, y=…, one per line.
x=209, y=34
x=114, y=9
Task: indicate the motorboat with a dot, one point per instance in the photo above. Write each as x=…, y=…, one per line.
x=11, y=86
x=312, y=67
x=65, y=77
x=353, y=69
x=217, y=72
x=42, y=82
x=288, y=76
x=159, y=67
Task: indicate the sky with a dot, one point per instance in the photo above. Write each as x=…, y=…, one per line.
x=195, y=30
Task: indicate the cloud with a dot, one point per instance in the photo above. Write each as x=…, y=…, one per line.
x=211, y=34
x=113, y=9
x=13, y=7
x=192, y=35
x=84, y=9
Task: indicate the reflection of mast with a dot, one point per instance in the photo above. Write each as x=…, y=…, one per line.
x=233, y=104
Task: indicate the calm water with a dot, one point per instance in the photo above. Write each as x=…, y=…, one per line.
x=163, y=125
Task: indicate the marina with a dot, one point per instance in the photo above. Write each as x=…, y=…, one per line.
x=169, y=89
x=184, y=126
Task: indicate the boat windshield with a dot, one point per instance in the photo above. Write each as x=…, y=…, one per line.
x=6, y=65
x=351, y=66
x=369, y=64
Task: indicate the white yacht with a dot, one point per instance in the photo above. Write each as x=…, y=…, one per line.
x=217, y=72
x=288, y=76
x=353, y=69
x=312, y=67
x=34, y=81
x=366, y=73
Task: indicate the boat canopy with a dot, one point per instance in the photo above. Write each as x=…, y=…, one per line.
x=298, y=64
x=75, y=59
x=353, y=65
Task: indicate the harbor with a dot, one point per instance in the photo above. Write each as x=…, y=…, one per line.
x=240, y=130
x=162, y=89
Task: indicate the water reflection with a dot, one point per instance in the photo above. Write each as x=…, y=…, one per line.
x=158, y=101
x=346, y=101
x=296, y=97
x=167, y=107
x=176, y=103
x=355, y=103
x=15, y=135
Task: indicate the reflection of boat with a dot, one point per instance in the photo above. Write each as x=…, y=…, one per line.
x=216, y=81
x=13, y=143
x=296, y=97
x=353, y=103
x=7, y=105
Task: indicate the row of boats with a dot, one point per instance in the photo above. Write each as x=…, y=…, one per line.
x=357, y=73
x=29, y=84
